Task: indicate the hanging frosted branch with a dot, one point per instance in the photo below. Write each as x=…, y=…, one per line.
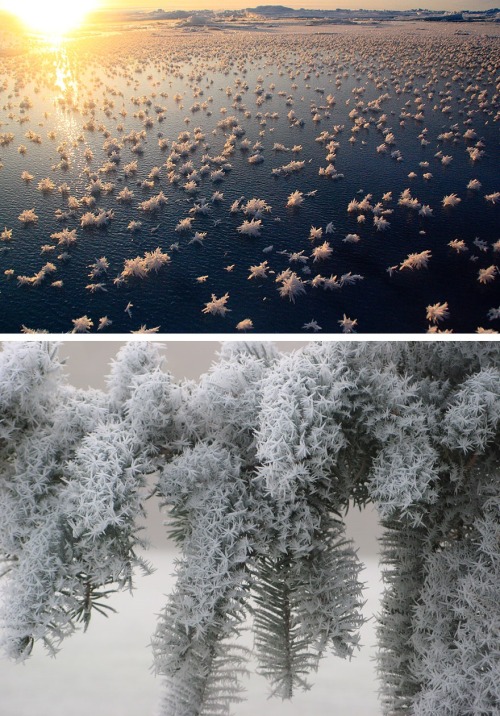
x=257, y=463
x=417, y=664
x=192, y=643
x=402, y=560
x=72, y=490
x=306, y=606
x=456, y=626
x=285, y=657
x=308, y=594
x=34, y=536
x=107, y=476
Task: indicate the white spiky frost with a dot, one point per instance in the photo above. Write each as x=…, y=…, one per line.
x=257, y=463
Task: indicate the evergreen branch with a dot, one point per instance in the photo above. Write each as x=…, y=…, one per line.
x=283, y=653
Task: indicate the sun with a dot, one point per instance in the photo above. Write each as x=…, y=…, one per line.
x=50, y=17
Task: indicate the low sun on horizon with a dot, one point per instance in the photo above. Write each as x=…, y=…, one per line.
x=50, y=17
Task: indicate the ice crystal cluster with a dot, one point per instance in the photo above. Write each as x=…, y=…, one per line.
x=256, y=465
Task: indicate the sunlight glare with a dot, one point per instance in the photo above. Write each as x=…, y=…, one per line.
x=50, y=17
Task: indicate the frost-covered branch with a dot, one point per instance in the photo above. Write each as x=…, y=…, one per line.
x=256, y=464
x=73, y=483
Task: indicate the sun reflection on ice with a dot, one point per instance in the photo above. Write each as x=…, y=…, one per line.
x=66, y=92
x=64, y=78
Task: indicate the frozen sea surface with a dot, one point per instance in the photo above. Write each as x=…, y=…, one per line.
x=107, y=671
x=378, y=109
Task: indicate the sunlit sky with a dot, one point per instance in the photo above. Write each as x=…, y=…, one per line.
x=52, y=17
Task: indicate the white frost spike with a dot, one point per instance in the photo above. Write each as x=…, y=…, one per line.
x=250, y=228
x=291, y=285
x=217, y=306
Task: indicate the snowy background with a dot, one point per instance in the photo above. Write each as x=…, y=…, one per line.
x=108, y=670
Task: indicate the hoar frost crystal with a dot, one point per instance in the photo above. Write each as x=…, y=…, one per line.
x=257, y=463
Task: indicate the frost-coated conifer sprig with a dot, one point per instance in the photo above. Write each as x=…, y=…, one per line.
x=416, y=432
x=256, y=464
x=71, y=486
x=225, y=518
